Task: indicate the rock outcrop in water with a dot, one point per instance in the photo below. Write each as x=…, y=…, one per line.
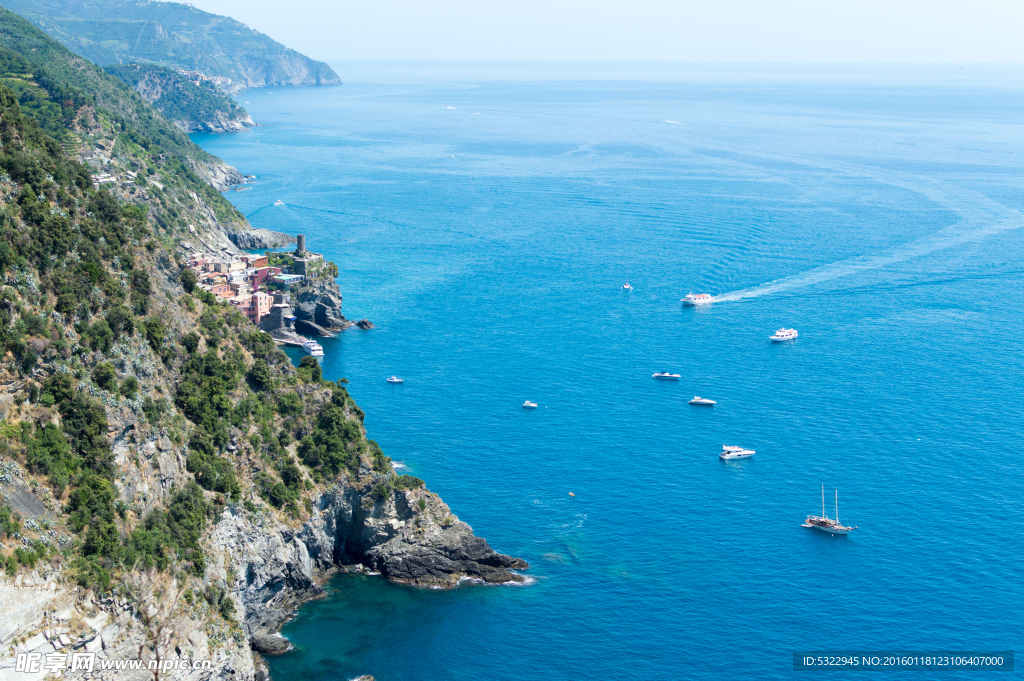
x=277, y=567
x=318, y=310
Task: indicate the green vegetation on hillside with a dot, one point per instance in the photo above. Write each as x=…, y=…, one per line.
x=189, y=106
x=175, y=35
x=56, y=86
x=114, y=369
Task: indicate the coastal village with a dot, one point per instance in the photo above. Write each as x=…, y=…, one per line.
x=261, y=287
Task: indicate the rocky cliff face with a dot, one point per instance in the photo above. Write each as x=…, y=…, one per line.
x=277, y=567
x=318, y=309
x=258, y=239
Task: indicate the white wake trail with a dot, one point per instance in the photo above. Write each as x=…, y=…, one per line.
x=981, y=217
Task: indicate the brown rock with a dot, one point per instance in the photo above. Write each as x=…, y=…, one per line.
x=38, y=345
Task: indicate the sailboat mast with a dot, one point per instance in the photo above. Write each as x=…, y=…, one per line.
x=823, y=501
x=837, y=506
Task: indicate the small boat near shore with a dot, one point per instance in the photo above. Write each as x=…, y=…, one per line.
x=529, y=405
x=783, y=334
x=395, y=379
x=729, y=452
x=665, y=376
x=697, y=399
x=826, y=524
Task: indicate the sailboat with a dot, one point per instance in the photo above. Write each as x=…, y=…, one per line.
x=823, y=522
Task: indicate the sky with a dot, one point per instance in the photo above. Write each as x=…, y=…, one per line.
x=642, y=30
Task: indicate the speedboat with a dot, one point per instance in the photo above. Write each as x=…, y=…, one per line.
x=395, y=379
x=529, y=405
x=824, y=523
x=697, y=299
x=697, y=399
x=729, y=452
x=311, y=347
x=783, y=334
x=666, y=376
x=279, y=202
x=627, y=286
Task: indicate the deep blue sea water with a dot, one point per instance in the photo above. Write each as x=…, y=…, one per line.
x=876, y=211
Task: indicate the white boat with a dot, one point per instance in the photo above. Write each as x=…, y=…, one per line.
x=395, y=379
x=730, y=452
x=627, y=286
x=783, y=334
x=529, y=405
x=665, y=376
x=824, y=523
x=697, y=299
x=697, y=399
x=279, y=202
x=311, y=347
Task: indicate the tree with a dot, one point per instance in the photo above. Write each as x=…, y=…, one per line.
x=260, y=375
x=191, y=341
x=105, y=376
x=189, y=280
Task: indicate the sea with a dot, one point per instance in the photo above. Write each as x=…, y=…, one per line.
x=485, y=217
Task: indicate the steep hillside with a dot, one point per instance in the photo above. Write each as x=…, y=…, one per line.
x=175, y=35
x=191, y=107
x=54, y=85
x=171, y=486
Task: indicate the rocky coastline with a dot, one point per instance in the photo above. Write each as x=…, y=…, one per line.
x=172, y=487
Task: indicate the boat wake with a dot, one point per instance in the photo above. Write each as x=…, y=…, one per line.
x=980, y=217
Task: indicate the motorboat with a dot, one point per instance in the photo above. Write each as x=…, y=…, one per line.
x=627, y=286
x=529, y=405
x=697, y=299
x=279, y=202
x=783, y=334
x=311, y=347
x=824, y=523
x=395, y=379
x=730, y=452
x=666, y=376
x=697, y=399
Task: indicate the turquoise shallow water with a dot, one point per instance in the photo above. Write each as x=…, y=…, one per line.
x=488, y=243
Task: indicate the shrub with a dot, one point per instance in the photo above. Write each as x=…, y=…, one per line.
x=190, y=340
x=153, y=409
x=10, y=522
x=178, y=528
x=105, y=376
x=100, y=336
x=259, y=375
x=119, y=320
x=289, y=404
x=28, y=360
x=213, y=472
x=408, y=482
x=49, y=453
x=308, y=366
x=129, y=387
x=155, y=334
